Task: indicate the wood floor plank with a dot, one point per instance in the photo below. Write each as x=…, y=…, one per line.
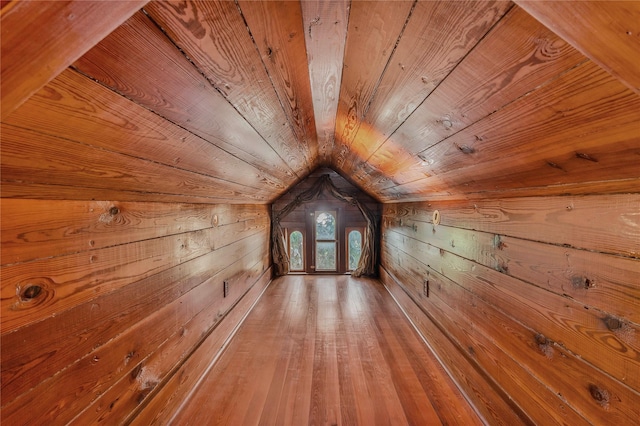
x=326, y=350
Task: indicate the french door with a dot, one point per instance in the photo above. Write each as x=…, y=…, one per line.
x=326, y=248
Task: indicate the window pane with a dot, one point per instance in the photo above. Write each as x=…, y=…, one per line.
x=295, y=251
x=325, y=226
x=355, y=249
x=326, y=256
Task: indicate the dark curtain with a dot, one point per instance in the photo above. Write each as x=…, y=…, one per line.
x=368, y=259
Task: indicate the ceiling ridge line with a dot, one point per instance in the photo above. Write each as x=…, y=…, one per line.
x=211, y=83
x=266, y=70
x=328, y=159
x=365, y=110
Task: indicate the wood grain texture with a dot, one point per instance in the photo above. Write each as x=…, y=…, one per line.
x=325, y=24
x=570, y=323
x=604, y=224
x=45, y=347
x=32, y=229
x=438, y=35
x=29, y=156
x=171, y=396
x=76, y=108
x=129, y=354
x=569, y=124
x=602, y=281
x=374, y=28
x=277, y=29
x=501, y=345
x=318, y=371
x=617, y=47
x=27, y=66
x=214, y=36
x=490, y=400
x=516, y=56
x=119, y=285
x=176, y=91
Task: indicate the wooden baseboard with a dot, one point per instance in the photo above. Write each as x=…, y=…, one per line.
x=490, y=401
x=170, y=396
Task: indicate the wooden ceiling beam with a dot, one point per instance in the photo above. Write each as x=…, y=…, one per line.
x=607, y=32
x=65, y=31
x=325, y=24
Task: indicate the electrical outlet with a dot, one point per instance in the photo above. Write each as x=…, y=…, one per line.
x=425, y=288
x=225, y=286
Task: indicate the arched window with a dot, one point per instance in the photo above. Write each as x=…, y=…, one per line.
x=354, y=248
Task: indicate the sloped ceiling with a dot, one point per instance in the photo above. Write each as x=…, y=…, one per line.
x=236, y=101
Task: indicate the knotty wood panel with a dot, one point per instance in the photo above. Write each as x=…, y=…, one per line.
x=85, y=380
x=35, y=228
x=603, y=281
x=616, y=23
x=318, y=371
x=325, y=24
x=374, y=28
x=214, y=36
x=176, y=90
x=179, y=388
x=516, y=56
x=33, y=157
x=558, y=134
x=276, y=28
x=75, y=346
x=437, y=36
x=501, y=344
x=588, y=338
x=485, y=394
x=27, y=66
x=600, y=223
x=112, y=405
x=104, y=270
x=116, y=124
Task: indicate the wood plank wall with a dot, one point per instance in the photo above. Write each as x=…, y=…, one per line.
x=102, y=301
x=531, y=303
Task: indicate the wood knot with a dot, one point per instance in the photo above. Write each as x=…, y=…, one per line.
x=599, y=394
x=541, y=339
x=136, y=371
x=31, y=292
x=587, y=157
x=466, y=149
x=580, y=282
x=555, y=165
x=114, y=211
x=613, y=323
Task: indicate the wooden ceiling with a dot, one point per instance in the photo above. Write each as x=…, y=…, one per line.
x=236, y=101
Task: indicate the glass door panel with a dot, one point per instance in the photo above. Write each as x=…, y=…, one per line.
x=326, y=242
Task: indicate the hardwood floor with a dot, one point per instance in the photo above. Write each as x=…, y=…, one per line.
x=329, y=350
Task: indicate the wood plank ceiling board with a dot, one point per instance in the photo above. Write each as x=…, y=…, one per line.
x=31, y=157
x=76, y=108
x=325, y=24
x=214, y=36
x=608, y=32
x=516, y=56
x=277, y=29
x=550, y=137
x=26, y=67
x=374, y=28
x=437, y=36
x=140, y=62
